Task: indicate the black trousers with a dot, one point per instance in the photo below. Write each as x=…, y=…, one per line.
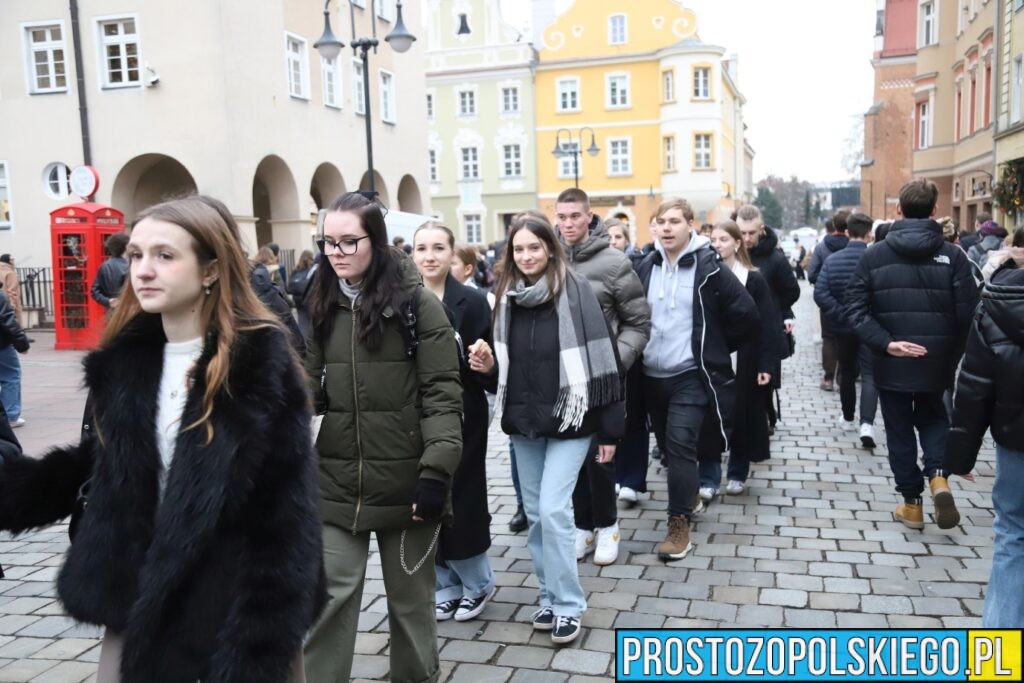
x=677, y=406
x=848, y=350
x=594, y=501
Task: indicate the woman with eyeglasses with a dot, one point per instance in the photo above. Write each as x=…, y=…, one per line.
x=385, y=374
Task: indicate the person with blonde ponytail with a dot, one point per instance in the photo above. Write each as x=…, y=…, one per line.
x=193, y=490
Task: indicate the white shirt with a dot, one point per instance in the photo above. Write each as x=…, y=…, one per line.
x=174, y=385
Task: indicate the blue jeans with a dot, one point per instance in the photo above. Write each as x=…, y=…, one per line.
x=515, y=473
x=903, y=413
x=1004, y=602
x=548, y=469
x=711, y=472
x=677, y=406
x=470, y=578
x=10, y=382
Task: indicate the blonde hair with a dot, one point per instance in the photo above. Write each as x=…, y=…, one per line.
x=675, y=203
x=733, y=230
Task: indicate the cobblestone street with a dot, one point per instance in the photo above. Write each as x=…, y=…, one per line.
x=811, y=544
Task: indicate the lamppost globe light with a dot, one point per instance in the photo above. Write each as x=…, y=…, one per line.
x=328, y=46
x=557, y=151
x=593, y=150
x=400, y=39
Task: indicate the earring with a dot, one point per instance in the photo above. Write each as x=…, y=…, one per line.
x=207, y=290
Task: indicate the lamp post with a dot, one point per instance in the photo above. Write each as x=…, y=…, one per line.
x=575, y=148
x=329, y=48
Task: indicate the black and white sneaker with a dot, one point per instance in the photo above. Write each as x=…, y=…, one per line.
x=471, y=607
x=445, y=610
x=543, y=619
x=566, y=630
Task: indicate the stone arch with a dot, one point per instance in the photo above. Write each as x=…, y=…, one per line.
x=379, y=186
x=409, y=198
x=147, y=180
x=327, y=185
x=275, y=196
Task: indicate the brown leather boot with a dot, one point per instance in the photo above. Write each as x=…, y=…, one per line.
x=677, y=543
x=946, y=514
x=911, y=514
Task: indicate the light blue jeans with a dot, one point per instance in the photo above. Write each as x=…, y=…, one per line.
x=10, y=382
x=548, y=469
x=711, y=472
x=471, y=578
x=1004, y=602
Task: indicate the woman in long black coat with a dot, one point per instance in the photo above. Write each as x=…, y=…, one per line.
x=465, y=581
x=756, y=360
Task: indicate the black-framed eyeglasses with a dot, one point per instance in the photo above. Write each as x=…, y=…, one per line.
x=347, y=246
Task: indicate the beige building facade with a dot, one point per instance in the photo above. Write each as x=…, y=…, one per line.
x=1009, y=135
x=953, y=103
x=217, y=96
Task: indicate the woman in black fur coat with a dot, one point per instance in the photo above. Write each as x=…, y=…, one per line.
x=199, y=549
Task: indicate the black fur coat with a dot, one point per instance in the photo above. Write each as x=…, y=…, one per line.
x=220, y=580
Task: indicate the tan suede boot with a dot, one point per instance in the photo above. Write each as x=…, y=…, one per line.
x=911, y=514
x=677, y=543
x=946, y=514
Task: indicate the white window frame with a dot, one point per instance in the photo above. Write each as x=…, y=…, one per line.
x=574, y=82
x=627, y=169
x=465, y=112
x=430, y=106
x=361, y=4
x=931, y=36
x=299, y=59
x=614, y=39
x=384, y=10
x=698, y=93
x=1017, y=88
x=699, y=151
x=358, y=99
x=478, y=222
x=510, y=93
x=668, y=153
x=62, y=173
x=469, y=165
x=432, y=165
x=49, y=47
x=330, y=79
x=924, y=124
x=5, y=195
x=624, y=97
x=668, y=85
x=511, y=160
x=103, y=41
x=565, y=162
x=387, y=94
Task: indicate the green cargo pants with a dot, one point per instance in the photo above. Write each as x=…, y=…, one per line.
x=329, y=648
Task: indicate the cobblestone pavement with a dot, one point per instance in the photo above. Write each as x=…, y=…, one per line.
x=811, y=544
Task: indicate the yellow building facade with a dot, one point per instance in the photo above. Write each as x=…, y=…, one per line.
x=639, y=109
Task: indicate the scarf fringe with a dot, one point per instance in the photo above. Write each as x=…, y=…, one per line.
x=575, y=401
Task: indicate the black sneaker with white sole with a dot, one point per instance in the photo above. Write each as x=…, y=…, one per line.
x=566, y=630
x=543, y=619
x=471, y=607
x=445, y=610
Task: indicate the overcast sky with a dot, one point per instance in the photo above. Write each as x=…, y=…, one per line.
x=805, y=69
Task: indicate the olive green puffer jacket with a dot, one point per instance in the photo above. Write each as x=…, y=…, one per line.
x=389, y=419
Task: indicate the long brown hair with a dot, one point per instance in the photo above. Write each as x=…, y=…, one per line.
x=734, y=232
x=538, y=224
x=381, y=286
x=230, y=308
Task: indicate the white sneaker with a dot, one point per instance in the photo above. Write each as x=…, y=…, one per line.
x=617, y=489
x=607, y=545
x=627, y=495
x=847, y=425
x=867, y=435
x=707, y=493
x=20, y=422
x=584, y=543
x=734, y=488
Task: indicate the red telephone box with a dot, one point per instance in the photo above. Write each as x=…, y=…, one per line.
x=78, y=234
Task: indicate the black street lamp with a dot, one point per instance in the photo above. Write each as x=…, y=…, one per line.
x=329, y=47
x=575, y=148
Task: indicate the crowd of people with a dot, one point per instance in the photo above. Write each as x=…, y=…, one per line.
x=218, y=538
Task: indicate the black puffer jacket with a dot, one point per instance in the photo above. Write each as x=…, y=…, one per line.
x=990, y=389
x=775, y=268
x=533, y=377
x=913, y=287
x=828, y=246
x=830, y=289
x=10, y=330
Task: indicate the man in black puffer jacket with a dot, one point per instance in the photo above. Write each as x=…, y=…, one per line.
x=988, y=395
x=911, y=300
x=835, y=241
